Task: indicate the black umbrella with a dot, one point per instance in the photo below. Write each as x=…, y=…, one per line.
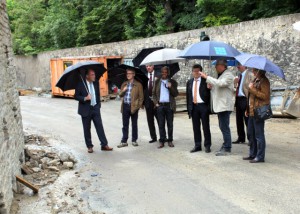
x=142, y=54
x=117, y=75
x=174, y=68
x=75, y=73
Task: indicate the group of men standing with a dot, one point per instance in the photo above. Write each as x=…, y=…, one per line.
x=159, y=100
x=204, y=95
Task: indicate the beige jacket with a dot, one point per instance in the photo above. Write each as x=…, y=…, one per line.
x=222, y=92
x=137, y=96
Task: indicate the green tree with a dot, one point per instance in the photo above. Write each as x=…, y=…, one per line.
x=26, y=18
x=53, y=24
x=60, y=25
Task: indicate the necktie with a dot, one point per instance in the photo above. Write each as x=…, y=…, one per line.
x=93, y=101
x=195, y=91
x=150, y=85
x=238, y=86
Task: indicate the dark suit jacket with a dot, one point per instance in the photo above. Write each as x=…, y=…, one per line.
x=204, y=94
x=147, y=100
x=81, y=93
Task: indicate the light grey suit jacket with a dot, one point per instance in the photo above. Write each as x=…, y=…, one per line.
x=222, y=92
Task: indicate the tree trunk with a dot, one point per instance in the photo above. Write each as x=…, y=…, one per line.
x=169, y=16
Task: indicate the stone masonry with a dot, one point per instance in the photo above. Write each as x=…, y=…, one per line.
x=272, y=37
x=11, y=131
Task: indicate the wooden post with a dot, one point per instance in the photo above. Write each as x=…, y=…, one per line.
x=26, y=183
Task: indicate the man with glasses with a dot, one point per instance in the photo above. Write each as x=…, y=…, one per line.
x=222, y=92
x=132, y=100
x=164, y=93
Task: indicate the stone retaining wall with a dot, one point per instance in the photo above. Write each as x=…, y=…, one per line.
x=272, y=37
x=11, y=131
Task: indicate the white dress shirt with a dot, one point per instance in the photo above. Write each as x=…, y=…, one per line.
x=153, y=78
x=199, y=100
x=241, y=93
x=92, y=92
x=164, y=92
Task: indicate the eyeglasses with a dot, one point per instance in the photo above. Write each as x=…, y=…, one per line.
x=130, y=73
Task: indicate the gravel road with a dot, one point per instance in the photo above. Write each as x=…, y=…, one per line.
x=145, y=179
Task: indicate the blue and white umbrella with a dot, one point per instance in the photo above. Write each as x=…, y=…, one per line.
x=210, y=50
x=261, y=63
x=230, y=62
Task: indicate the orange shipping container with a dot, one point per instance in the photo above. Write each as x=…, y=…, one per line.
x=58, y=65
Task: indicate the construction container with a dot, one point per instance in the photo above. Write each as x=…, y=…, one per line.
x=58, y=65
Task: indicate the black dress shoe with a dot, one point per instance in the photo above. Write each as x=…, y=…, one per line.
x=238, y=141
x=161, y=145
x=153, y=141
x=207, y=150
x=196, y=149
x=248, y=158
x=170, y=144
x=256, y=161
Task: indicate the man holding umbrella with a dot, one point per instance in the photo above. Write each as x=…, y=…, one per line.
x=148, y=102
x=242, y=90
x=133, y=97
x=222, y=92
x=87, y=93
x=164, y=93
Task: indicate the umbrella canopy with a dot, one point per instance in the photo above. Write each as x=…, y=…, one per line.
x=163, y=56
x=210, y=50
x=261, y=63
x=297, y=26
x=142, y=54
x=230, y=62
x=75, y=73
x=117, y=75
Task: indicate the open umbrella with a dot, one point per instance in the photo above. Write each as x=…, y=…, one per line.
x=163, y=56
x=210, y=50
x=75, y=73
x=229, y=62
x=117, y=75
x=142, y=54
x=296, y=26
x=260, y=62
x=174, y=68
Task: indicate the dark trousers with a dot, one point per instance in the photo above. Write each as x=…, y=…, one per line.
x=241, y=119
x=126, y=115
x=165, y=113
x=151, y=114
x=256, y=130
x=201, y=113
x=94, y=116
x=224, y=120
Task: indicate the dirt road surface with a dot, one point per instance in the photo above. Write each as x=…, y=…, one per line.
x=145, y=179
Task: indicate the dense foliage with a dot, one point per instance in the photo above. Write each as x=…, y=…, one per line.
x=39, y=25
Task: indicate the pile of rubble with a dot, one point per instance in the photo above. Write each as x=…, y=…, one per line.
x=43, y=163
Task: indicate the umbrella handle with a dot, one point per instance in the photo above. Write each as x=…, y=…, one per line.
x=84, y=84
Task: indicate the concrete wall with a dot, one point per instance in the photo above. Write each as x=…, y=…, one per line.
x=273, y=37
x=11, y=131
